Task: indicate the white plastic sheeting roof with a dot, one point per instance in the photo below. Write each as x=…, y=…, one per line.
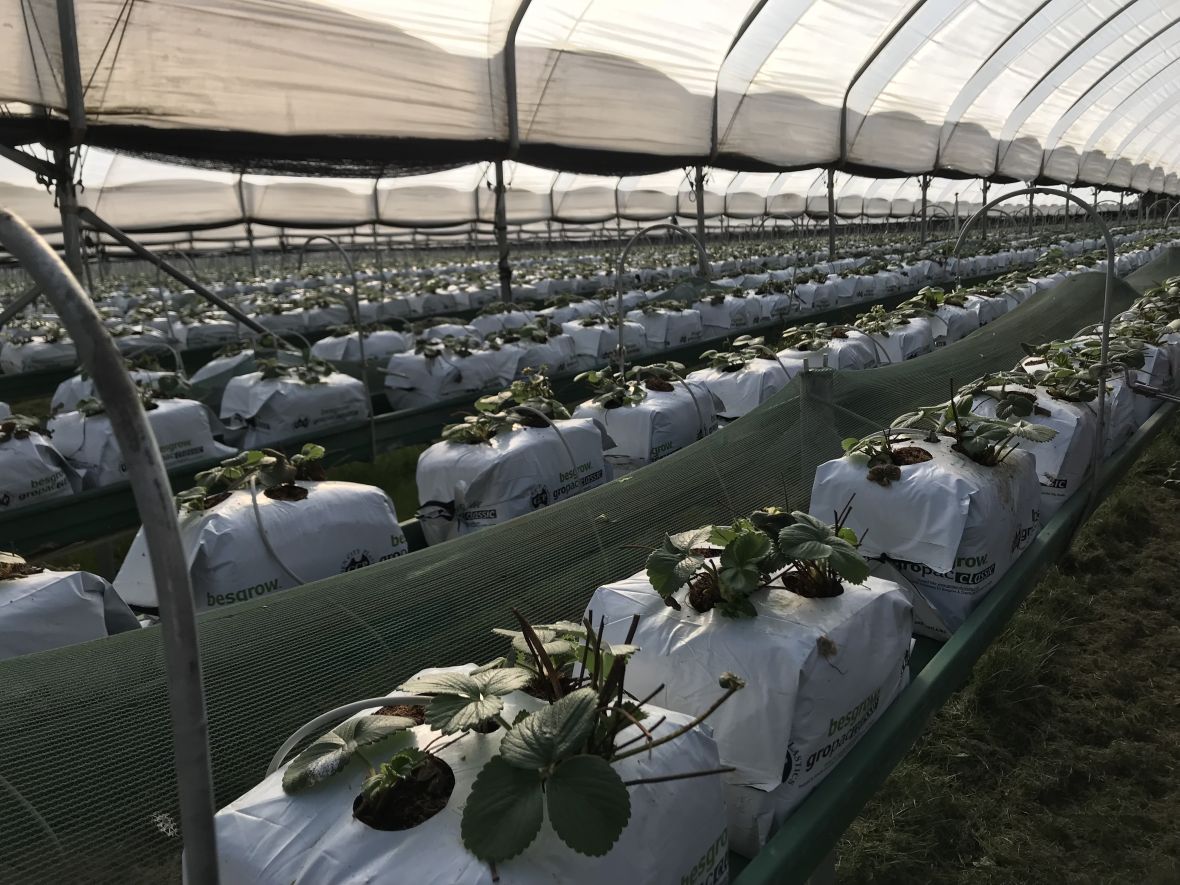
x=140, y=195
x=1068, y=90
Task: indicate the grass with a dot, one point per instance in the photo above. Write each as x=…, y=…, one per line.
x=392, y=472
x=1060, y=760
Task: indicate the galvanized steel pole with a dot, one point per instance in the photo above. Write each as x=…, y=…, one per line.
x=925, y=188
x=831, y=215
x=501, y=222
x=702, y=263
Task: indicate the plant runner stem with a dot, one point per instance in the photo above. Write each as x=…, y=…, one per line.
x=680, y=731
x=677, y=777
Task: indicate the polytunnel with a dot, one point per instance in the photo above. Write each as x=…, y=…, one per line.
x=1054, y=91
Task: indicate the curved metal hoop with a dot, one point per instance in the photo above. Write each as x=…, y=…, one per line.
x=702, y=257
x=153, y=498
x=360, y=329
x=1103, y=368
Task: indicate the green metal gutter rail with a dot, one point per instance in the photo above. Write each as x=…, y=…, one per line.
x=810, y=834
x=93, y=514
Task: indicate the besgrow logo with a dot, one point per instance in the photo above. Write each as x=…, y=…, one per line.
x=539, y=496
x=793, y=766
x=1021, y=537
x=357, y=558
x=301, y=422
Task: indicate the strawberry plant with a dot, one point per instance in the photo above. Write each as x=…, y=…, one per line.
x=555, y=759
x=724, y=565
x=985, y=440
x=19, y=427
x=746, y=349
x=13, y=566
x=812, y=336
x=930, y=298
x=557, y=763
x=268, y=468
x=532, y=393
x=879, y=321
x=884, y=459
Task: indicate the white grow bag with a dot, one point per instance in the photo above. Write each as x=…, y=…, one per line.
x=800, y=712
x=412, y=380
x=182, y=427
x=275, y=409
x=379, y=347
x=731, y=317
x=439, y=331
x=268, y=837
x=32, y=470
x=463, y=487
x=775, y=305
x=905, y=342
x=35, y=355
x=54, y=609
x=665, y=329
x=989, y=308
x=663, y=423
x=338, y=527
x=952, y=323
x=495, y=323
x=857, y=351
x=209, y=333
x=743, y=391
x=211, y=379
x=1062, y=462
x=77, y=388
x=952, y=527
x=1120, y=423
x=555, y=355
x=595, y=345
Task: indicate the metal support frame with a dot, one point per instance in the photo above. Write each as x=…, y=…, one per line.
x=699, y=189
x=1030, y=212
x=360, y=327
x=22, y=301
x=1102, y=367
x=831, y=215
x=925, y=181
x=501, y=224
x=153, y=497
x=702, y=258
x=110, y=230
x=250, y=245
x=34, y=164
x=67, y=204
x=1171, y=211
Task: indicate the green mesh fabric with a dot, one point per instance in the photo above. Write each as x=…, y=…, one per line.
x=87, y=791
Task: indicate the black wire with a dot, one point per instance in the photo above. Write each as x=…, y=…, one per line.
x=105, y=46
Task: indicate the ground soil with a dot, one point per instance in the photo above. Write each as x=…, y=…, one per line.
x=412, y=801
x=799, y=585
x=907, y=455
x=1059, y=762
x=411, y=711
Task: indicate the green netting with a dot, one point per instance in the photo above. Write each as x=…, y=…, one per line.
x=86, y=781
